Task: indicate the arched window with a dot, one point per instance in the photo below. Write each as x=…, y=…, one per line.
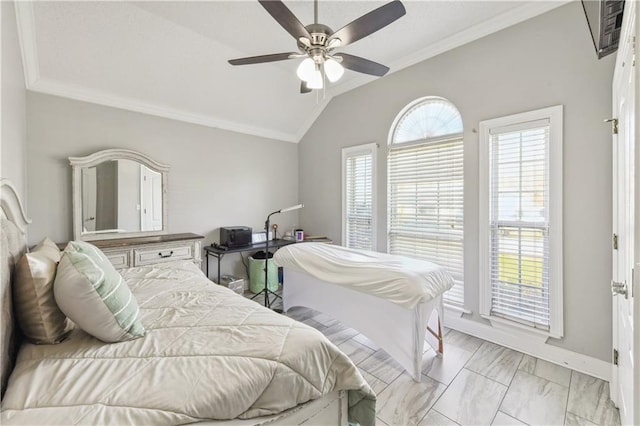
x=425, y=119
x=425, y=188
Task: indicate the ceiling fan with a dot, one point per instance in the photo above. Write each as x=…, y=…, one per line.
x=316, y=43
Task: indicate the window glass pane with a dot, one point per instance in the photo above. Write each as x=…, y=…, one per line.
x=429, y=119
x=520, y=275
x=359, y=201
x=426, y=189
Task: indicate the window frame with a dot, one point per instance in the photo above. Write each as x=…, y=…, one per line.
x=457, y=137
x=349, y=152
x=554, y=115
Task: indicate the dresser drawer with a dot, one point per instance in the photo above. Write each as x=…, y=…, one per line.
x=149, y=256
x=119, y=259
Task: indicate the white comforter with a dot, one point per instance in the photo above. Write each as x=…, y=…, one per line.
x=400, y=280
x=207, y=354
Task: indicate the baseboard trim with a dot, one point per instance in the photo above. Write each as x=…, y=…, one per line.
x=554, y=354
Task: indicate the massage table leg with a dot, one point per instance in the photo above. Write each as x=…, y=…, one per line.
x=438, y=334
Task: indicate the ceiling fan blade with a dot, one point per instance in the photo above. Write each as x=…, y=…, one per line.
x=303, y=87
x=365, y=66
x=264, y=58
x=369, y=23
x=285, y=18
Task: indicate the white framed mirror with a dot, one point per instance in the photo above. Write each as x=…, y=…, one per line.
x=118, y=193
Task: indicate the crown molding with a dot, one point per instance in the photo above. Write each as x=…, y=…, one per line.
x=65, y=90
x=27, y=37
x=35, y=82
x=495, y=24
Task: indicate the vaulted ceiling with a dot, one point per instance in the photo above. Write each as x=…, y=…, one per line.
x=170, y=58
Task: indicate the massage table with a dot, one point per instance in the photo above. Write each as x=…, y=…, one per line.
x=393, y=300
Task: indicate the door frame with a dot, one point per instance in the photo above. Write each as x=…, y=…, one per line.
x=634, y=10
x=631, y=12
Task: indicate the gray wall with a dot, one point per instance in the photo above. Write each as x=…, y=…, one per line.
x=217, y=178
x=14, y=127
x=546, y=61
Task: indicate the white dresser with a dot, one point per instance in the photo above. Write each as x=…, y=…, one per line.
x=140, y=251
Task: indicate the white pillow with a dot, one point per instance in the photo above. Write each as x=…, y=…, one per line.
x=94, y=295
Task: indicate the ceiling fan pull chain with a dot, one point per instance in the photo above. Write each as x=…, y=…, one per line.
x=324, y=82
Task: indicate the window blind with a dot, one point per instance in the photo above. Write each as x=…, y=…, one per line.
x=519, y=223
x=359, y=201
x=425, y=206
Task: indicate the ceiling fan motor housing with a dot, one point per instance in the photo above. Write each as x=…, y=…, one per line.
x=319, y=35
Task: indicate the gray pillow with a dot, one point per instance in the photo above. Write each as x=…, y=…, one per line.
x=39, y=317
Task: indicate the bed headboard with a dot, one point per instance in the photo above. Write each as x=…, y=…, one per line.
x=13, y=244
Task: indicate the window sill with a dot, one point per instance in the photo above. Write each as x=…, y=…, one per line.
x=511, y=326
x=456, y=311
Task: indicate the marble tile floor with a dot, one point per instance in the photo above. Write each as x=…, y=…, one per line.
x=475, y=383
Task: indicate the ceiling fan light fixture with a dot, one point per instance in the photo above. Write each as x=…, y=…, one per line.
x=333, y=69
x=306, y=70
x=316, y=81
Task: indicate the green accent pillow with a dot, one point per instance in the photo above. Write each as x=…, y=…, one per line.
x=94, y=295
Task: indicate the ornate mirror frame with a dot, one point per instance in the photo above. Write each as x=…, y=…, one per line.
x=78, y=163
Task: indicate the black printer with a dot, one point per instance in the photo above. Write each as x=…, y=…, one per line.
x=235, y=236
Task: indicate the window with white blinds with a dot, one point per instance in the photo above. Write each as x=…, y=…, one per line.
x=519, y=191
x=358, y=196
x=425, y=189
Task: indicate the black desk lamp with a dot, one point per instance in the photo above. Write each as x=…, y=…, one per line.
x=265, y=290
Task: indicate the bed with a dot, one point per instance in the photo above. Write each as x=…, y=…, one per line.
x=393, y=300
x=208, y=356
